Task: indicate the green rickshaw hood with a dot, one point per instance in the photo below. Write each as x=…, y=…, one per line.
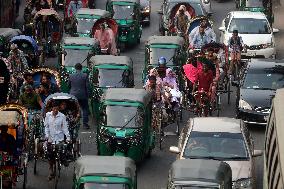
x=71, y=69
x=105, y=179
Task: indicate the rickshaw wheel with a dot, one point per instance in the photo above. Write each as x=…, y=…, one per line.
x=35, y=165
x=229, y=82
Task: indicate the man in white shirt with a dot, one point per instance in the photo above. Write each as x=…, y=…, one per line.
x=56, y=127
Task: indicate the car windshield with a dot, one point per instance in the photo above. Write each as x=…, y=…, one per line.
x=104, y=186
x=216, y=145
x=254, y=3
x=123, y=116
x=249, y=26
x=195, y=187
x=156, y=53
x=197, y=8
x=111, y=78
x=85, y=25
x=270, y=79
x=123, y=11
x=74, y=56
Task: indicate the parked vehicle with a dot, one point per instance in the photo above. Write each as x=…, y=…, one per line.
x=257, y=6
x=76, y=50
x=127, y=13
x=255, y=30
x=104, y=171
x=273, y=147
x=86, y=18
x=224, y=139
x=257, y=88
x=14, y=159
x=6, y=34
x=200, y=173
x=124, y=127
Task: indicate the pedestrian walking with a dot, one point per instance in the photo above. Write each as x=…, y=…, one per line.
x=79, y=87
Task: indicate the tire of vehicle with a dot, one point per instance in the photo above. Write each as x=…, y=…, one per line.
x=57, y=169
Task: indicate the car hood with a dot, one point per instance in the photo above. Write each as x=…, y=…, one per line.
x=240, y=169
x=251, y=39
x=257, y=98
x=256, y=39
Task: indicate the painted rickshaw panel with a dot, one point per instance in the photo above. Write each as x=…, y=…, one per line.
x=39, y=72
x=4, y=80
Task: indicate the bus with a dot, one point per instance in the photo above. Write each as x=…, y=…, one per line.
x=274, y=144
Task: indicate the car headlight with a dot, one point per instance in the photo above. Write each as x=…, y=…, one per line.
x=206, y=1
x=243, y=183
x=244, y=105
x=267, y=45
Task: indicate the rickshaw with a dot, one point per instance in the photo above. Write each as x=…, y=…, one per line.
x=13, y=159
x=124, y=127
x=170, y=47
x=76, y=50
x=39, y=72
x=72, y=113
x=111, y=25
x=104, y=171
x=264, y=6
x=6, y=34
x=29, y=47
x=5, y=84
x=127, y=13
x=195, y=173
x=109, y=71
x=174, y=11
x=48, y=39
x=86, y=18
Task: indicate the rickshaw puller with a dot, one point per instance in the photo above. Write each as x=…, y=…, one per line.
x=200, y=39
x=73, y=7
x=56, y=128
x=17, y=60
x=208, y=30
x=181, y=20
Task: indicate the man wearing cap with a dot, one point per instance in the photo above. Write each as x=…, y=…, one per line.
x=30, y=99
x=162, y=67
x=56, y=128
x=208, y=30
x=79, y=87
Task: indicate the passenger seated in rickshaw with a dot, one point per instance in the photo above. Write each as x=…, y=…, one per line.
x=181, y=20
x=106, y=38
x=28, y=80
x=153, y=72
x=30, y=99
x=44, y=91
x=207, y=29
x=204, y=80
x=200, y=39
x=53, y=88
x=171, y=89
x=162, y=67
x=7, y=141
x=18, y=62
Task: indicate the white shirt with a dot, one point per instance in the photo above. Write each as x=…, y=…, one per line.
x=56, y=127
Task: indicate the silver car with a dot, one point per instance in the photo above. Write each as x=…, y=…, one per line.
x=224, y=139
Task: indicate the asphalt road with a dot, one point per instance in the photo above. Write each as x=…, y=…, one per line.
x=153, y=172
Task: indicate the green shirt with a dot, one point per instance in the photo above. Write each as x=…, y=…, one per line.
x=30, y=101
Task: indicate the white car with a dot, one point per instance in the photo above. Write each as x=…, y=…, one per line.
x=255, y=30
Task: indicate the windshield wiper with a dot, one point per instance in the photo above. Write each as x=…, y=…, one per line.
x=236, y=158
x=202, y=157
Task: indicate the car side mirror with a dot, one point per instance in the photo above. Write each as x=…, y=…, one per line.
x=275, y=30
x=257, y=153
x=222, y=29
x=174, y=149
x=160, y=11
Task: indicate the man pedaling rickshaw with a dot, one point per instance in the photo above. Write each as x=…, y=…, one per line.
x=207, y=29
x=106, y=38
x=73, y=8
x=200, y=39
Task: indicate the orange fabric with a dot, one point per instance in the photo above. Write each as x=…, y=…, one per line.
x=12, y=132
